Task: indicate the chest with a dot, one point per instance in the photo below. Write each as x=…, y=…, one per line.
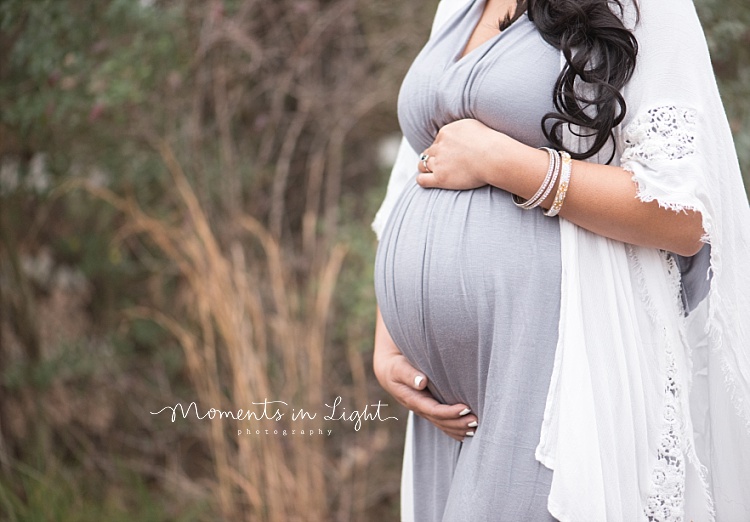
x=506, y=81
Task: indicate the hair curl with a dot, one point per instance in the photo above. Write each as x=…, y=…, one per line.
x=599, y=51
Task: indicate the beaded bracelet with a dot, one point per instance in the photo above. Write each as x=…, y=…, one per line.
x=562, y=189
x=555, y=175
x=546, y=186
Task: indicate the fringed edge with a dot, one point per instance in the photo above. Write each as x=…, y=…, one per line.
x=644, y=195
x=675, y=287
x=740, y=406
x=657, y=317
x=715, y=331
x=642, y=286
x=690, y=452
x=714, y=324
x=702, y=470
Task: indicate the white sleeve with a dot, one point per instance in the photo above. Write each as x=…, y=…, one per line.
x=403, y=169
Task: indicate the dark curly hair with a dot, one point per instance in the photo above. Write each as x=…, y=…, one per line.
x=599, y=51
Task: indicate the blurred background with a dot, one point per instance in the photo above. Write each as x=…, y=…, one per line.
x=186, y=191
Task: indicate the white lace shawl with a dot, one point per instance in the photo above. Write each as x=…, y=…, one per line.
x=648, y=411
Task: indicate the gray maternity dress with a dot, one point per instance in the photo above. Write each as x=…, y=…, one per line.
x=469, y=284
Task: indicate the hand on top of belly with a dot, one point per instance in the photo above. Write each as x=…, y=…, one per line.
x=460, y=156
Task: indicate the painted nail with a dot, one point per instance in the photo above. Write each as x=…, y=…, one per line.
x=418, y=380
x=470, y=433
x=465, y=411
x=473, y=424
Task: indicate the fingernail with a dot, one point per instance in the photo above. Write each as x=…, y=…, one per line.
x=470, y=433
x=473, y=424
x=418, y=380
x=465, y=411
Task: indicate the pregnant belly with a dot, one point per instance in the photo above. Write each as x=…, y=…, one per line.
x=468, y=285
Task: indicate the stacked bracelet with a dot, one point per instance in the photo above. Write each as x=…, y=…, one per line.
x=562, y=189
x=560, y=165
x=547, y=184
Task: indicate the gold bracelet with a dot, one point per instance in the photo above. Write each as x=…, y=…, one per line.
x=562, y=189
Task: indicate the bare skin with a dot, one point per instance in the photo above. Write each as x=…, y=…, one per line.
x=465, y=155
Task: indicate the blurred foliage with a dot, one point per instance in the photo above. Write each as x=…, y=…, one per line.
x=263, y=104
x=60, y=495
x=274, y=111
x=727, y=27
x=78, y=75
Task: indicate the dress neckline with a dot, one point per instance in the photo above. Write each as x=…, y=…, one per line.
x=473, y=16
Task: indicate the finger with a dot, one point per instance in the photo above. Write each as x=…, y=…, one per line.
x=427, y=180
x=455, y=435
x=446, y=416
x=403, y=372
x=423, y=165
x=450, y=419
x=456, y=428
x=455, y=431
x=451, y=411
x=459, y=425
x=458, y=435
x=420, y=402
x=456, y=419
x=424, y=403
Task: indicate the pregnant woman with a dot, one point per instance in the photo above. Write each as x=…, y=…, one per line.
x=559, y=274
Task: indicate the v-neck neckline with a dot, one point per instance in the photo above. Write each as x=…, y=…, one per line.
x=466, y=35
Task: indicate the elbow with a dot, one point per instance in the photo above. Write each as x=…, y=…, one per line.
x=689, y=235
x=688, y=248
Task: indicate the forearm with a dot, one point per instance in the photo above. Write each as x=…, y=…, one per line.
x=600, y=198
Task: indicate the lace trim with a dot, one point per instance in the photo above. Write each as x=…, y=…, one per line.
x=666, y=132
x=667, y=502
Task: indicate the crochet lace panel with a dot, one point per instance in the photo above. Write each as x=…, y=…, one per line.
x=667, y=501
x=662, y=133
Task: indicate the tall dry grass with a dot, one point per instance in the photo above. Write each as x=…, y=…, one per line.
x=251, y=331
x=273, y=110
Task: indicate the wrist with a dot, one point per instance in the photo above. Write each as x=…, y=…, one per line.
x=499, y=157
x=385, y=375
x=379, y=364
x=509, y=160
x=383, y=361
x=524, y=169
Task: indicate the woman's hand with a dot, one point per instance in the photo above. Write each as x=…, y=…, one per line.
x=604, y=199
x=409, y=387
x=457, y=159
